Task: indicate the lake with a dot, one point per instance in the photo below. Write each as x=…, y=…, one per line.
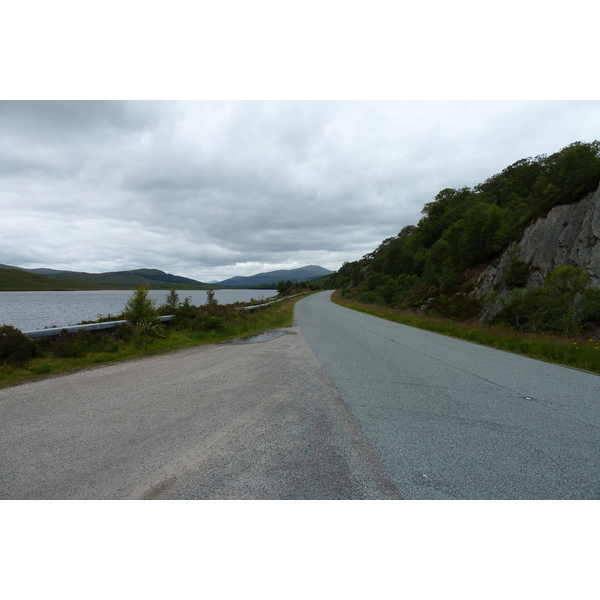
x=36, y=310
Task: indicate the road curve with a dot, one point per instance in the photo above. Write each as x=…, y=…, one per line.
x=454, y=420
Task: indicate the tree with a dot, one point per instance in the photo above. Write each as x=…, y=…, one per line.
x=172, y=301
x=517, y=272
x=560, y=305
x=567, y=280
x=140, y=307
x=210, y=298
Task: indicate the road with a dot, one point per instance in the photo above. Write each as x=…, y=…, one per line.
x=223, y=421
x=455, y=420
x=342, y=406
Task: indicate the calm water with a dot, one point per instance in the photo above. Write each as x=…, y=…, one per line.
x=36, y=310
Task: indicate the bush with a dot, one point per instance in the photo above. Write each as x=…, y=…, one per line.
x=371, y=298
x=205, y=322
x=561, y=305
x=74, y=345
x=150, y=328
x=82, y=342
x=457, y=306
x=185, y=313
x=15, y=346
x=123, y=333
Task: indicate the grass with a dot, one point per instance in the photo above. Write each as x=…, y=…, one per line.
x=86, y=349
x=580, y=352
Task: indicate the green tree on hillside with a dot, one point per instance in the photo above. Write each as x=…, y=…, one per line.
x=462, y=228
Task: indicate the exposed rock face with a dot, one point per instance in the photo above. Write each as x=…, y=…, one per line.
x=569, y=234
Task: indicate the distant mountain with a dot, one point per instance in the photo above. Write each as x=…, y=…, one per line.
x=57, y=279
x=117, y=279
x=274, y=277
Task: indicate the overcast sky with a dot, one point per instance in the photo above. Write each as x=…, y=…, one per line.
x=210, y=189
x=214, y=189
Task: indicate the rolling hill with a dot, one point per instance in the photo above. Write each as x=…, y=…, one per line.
x=81, y=280
x=15, y=280
x=274, y=277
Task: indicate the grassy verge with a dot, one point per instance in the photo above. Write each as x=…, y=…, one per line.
x=582, y=352
x=74, y=352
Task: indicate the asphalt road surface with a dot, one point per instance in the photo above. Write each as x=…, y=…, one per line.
x=452, y=419
x=343, y=406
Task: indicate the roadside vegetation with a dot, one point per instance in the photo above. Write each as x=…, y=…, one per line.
x=23, y=359
x=581, y=351
x=424, y=276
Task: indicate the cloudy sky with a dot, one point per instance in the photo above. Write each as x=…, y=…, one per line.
x=303, y=164
x=340, y=121
x=212, y=189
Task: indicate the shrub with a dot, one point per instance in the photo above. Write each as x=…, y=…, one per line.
x=457, y=306
x=206, y=322
x=123, y=333
x=185, y=313
x=371, y=298
x=78, y=344
x=151, y=328
x=15, y=346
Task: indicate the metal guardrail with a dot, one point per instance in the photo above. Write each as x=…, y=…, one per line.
x=36, y=333
x=267, y=303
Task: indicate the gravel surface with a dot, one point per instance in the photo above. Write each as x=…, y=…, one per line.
x=225, y=421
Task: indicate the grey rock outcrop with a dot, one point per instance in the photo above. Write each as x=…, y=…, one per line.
x=568, y=235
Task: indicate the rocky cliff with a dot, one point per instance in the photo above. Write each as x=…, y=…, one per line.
x=568, y=234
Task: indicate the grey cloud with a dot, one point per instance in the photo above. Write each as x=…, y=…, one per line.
x=214, y=189
x=57, y=119
x=71, y=139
